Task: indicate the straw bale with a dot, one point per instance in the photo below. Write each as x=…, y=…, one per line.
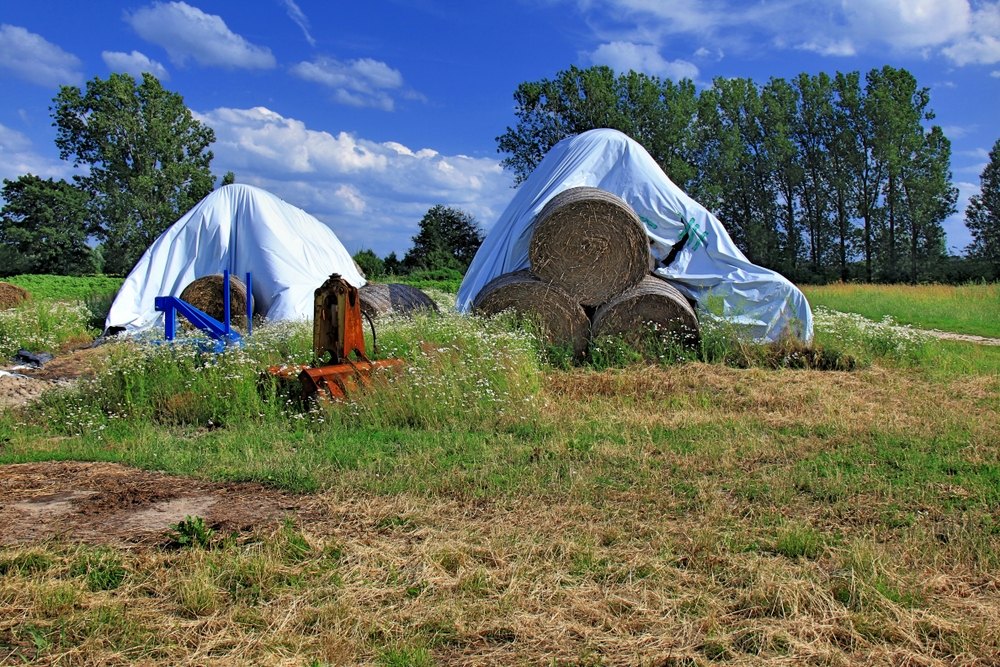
x=394, y=298
x=653, y=302
x=591, y=244
x=206, y=294
x=562, y=318
x=12, y=295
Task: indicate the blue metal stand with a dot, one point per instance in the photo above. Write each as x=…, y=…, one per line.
x=221, y=332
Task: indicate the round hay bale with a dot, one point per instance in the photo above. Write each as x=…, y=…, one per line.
x=563, y=319
x=653, y=302
x=590, y=243
x=395, y=298
x=206, y=294
x=12, y=295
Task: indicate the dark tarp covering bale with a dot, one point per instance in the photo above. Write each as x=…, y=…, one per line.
x=564, y=320
x=206, y=294
x=394, y=298
x=590, y=243
x=12, y=295
x=653, y=302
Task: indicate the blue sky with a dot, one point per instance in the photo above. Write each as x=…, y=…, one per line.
x=367, y=114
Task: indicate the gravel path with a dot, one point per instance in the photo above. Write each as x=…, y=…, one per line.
x=965, y=338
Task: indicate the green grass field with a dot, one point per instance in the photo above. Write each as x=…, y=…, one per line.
x=66, y=288
x=966, y=309
x=492, y=506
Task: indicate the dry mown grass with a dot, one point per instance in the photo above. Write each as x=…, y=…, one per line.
x=691, y=515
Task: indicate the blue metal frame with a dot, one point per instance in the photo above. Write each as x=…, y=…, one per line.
x=221, y=332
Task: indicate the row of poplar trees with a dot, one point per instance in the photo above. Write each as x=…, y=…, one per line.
x=821, y=177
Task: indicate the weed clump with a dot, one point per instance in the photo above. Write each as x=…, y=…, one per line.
x=191, y=532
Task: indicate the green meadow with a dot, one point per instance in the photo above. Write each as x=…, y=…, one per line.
x=496, y=504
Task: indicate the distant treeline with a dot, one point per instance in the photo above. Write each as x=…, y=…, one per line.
x=820, y=177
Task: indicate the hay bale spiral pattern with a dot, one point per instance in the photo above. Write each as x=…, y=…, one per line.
x=654, y=301
x=393, y=298
x=591, y=244
x=563, y=319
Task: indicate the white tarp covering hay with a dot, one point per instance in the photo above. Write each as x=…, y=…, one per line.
x=244, y=229
x=708, y=267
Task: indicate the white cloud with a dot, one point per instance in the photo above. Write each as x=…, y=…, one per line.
x=957, y=131
x=965, y=31
x=363, y=82
x=32, y=58
x=17, y=157
x=829, y=47
x=995, y=74
x=981, y=41
x=625, y=56
x=908, y=24
x=187, y=32
x=134, y=63
x=300, y=19
x=372, y=194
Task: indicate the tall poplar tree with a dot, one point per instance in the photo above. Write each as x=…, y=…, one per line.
x=982, y=216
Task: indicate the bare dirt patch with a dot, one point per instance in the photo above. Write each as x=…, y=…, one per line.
x=17, y=389
x=111, y=503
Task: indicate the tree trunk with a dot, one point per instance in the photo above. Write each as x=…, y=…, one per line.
x=843, y=234
x=892, y=227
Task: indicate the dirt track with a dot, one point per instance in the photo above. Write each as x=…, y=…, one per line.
x=109, y=503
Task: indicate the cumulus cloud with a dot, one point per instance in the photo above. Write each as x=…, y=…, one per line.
x=625, y=56
x=372, y=194
x=17, y=157
x=980, y=43
x=300, y=19
x=134, y=63
x=32, y=58
x=362, y=83
x=187, y=32
x=961, y=30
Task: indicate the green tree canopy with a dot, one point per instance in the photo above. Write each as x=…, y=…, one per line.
x=45, y=223
x=819, y=177
x=982, y=216
x=147, y=156
x=448, y=239
x=370, y=263
x=657, y=113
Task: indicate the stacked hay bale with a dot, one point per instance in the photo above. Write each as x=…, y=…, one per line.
x=207, y=295
x=12, y=296
x=393, y=298
x=589, y=255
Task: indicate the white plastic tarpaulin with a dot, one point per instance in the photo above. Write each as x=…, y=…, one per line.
x=709, y=268
x=244, y=229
